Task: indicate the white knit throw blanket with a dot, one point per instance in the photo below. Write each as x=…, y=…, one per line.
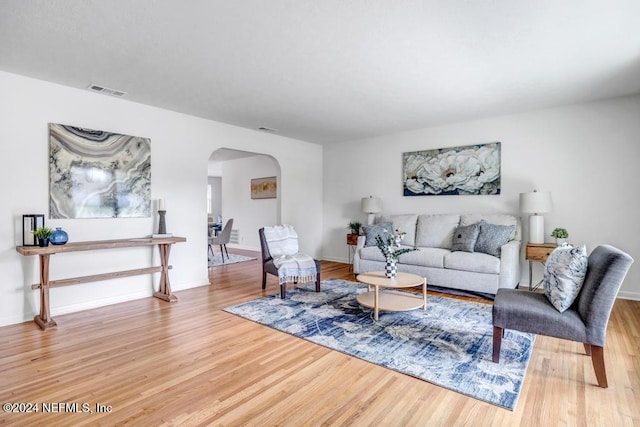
x=292, y=265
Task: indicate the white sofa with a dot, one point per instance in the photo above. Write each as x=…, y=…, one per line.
x=433, y=235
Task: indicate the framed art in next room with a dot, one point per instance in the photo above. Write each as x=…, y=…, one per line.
x=264, y=188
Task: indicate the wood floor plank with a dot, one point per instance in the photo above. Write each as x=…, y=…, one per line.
x=190, y=363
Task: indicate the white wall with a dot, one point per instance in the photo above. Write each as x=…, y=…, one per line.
x=216, y=196
x=180, y=149
x=587, y=155
x=248, y=214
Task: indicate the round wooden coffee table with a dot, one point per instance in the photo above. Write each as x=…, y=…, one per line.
x=391, y=300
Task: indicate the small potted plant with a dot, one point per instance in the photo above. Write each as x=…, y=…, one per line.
x=560, y=235
x=43, y=234
x=354, y=231
x=354, y=226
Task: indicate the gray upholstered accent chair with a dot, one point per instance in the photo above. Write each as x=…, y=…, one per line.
x=585, y=321
x=269, y=267
x=222, y=239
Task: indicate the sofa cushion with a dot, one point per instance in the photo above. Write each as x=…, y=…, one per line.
x=476, y=262
x=564, y=274
x=403, y=223
x=492, y=237
x=424, y=257
x=436, y=231
x=498, y=219
x=373, y=230
x=465, y=237
x=371, y=253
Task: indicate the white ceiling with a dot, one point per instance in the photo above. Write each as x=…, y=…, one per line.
x=327, y=71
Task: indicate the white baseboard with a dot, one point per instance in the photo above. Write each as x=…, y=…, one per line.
x=72, y=308
x=336, y=259
x=87, y=305
x=629, y=295
x=247, y=248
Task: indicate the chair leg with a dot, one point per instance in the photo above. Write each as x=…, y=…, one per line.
x=497, y=342
x=211, y=250
x=226, y=251
x=222, y=254
x=318, y=282
x=597, y=358
x=264, y=279
x=283, y=290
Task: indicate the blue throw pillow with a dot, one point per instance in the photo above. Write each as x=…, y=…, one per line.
x=373, y=230
x=465, y=237
x=564, y=274
x=492, y=237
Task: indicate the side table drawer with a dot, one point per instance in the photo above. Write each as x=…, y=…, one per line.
x=539, y=253
x=352, y=239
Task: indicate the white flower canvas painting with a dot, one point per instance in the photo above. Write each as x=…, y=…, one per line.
x=470, y=170
x=98, y=174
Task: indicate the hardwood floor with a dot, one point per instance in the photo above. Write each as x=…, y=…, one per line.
x=189, y=363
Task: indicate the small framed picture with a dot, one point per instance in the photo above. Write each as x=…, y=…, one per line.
x=30, y=223
x=264, y=188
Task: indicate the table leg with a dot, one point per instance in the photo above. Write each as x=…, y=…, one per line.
x=164, y=290
x=376, y=298
x=44, y=319
x=424, y=294
x=530, y=276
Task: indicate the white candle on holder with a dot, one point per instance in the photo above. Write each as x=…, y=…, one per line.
x=161, y=205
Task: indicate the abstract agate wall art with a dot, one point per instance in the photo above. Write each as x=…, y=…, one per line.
x=97, y=174
x=473, y=169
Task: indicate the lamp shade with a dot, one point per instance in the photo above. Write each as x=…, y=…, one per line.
x=536, y=202
x=371, y=205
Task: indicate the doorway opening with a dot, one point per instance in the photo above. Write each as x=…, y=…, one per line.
x=229, y=194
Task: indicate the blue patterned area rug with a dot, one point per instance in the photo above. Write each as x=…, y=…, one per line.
x=449, y=344
x=233, y=258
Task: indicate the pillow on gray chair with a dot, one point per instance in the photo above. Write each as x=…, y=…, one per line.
x=465, y=237
x=373, y=230
x=564, y=274
x=492, y=237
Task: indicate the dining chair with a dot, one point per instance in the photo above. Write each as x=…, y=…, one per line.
x=222, y=239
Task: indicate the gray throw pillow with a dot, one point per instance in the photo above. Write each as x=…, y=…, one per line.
x=492, y=237
x=373, y=230
x=465, y=237
x=564, y=274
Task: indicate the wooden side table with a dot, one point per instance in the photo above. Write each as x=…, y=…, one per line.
x=352, y=242
x=537, y=252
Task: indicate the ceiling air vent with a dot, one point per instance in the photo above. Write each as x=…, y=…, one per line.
x=266, y=129
x=106, y=90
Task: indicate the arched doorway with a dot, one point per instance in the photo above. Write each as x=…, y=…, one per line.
x=229, y=174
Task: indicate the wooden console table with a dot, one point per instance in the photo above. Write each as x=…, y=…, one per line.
x=44, y=319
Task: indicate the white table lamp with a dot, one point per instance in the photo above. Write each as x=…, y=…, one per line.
x=371, y=206
x=536, y=203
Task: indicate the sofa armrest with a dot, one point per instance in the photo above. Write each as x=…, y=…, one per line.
x=356, y=255
x=510, y=265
